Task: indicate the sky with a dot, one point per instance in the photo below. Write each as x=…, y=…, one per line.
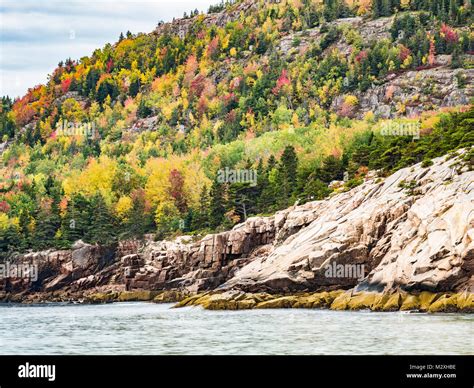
x=35, y=35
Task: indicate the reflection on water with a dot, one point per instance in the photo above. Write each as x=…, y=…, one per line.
x=146, y=328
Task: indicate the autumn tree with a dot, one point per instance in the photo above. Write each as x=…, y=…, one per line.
x=176, y=190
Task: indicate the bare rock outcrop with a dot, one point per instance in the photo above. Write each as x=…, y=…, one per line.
x=413, y=92
x=422, y=240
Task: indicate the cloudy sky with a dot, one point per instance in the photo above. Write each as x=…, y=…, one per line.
x=35, y=35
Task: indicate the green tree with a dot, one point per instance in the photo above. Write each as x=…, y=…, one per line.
x=217, y=206
x=101, y=228
x=286, y=176
x=201, y=215
x=48, y=223
x=76, y=221
x=315, y=189
x=331, y=169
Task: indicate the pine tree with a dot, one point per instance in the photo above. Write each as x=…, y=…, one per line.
x=442, y=14
x=48, y=223
x=395, y=5
x=134, y=87
x=139, y=221
x=315, y=189
x=76, y=221
x=266, y=201
x=386, y=6
x=377, y=8
x=10, y=241
x=331, y=169
x=201, y=216
x=262, y=181
x=101, y=226
x=434, y=7
x=331, y=9
x=217, y=208
x=453, y=11
x=286, y=176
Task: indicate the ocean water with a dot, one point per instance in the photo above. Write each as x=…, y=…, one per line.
x=147, y=328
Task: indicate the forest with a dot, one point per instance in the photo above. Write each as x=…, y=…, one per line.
x=155, y=117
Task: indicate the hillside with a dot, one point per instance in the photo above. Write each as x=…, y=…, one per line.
x=408, y=233
x=212, y=119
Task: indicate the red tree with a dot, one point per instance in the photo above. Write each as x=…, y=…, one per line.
x=110, y=64
x=404, y=53
x=362, y=56
x=4, y=207
x=282, y=81
x=449, y=34
x=177, y=189
x=66, y=84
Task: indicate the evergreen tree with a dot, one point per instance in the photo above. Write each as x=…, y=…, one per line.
x=442, y=14
x=102, y=223
x=453, y=11
x=331, y=169
x=266, y=201
x=217, y=206
x=315, y=189
x=91, y=81
x=377, y=8
x=286, y=176
x=139, y=221
x=386, y=7
x=48, y=223
x=201, y=216
x=10, y=240
x=76, y=221
x=395, y=5
x=134, y=87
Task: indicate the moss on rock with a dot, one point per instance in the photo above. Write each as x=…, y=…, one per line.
x=361, y=301
x=135, y=296
x=331, y=295
x=219, y=304
x=341, y=302
x=426, y=299
x=101, y=297
x=278, y=303
x=246, y=304
x=447, y=303
x=410, y=302
x=308, y=300
x=169, y=297
x=335, y=300
x=394, y=302
x=465, y=302
x=262, y=296
x=380, y=301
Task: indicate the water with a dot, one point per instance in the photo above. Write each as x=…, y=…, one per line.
x=146, y=328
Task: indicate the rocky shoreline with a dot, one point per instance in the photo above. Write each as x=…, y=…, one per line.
x=407, y=241
x=339, y=300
